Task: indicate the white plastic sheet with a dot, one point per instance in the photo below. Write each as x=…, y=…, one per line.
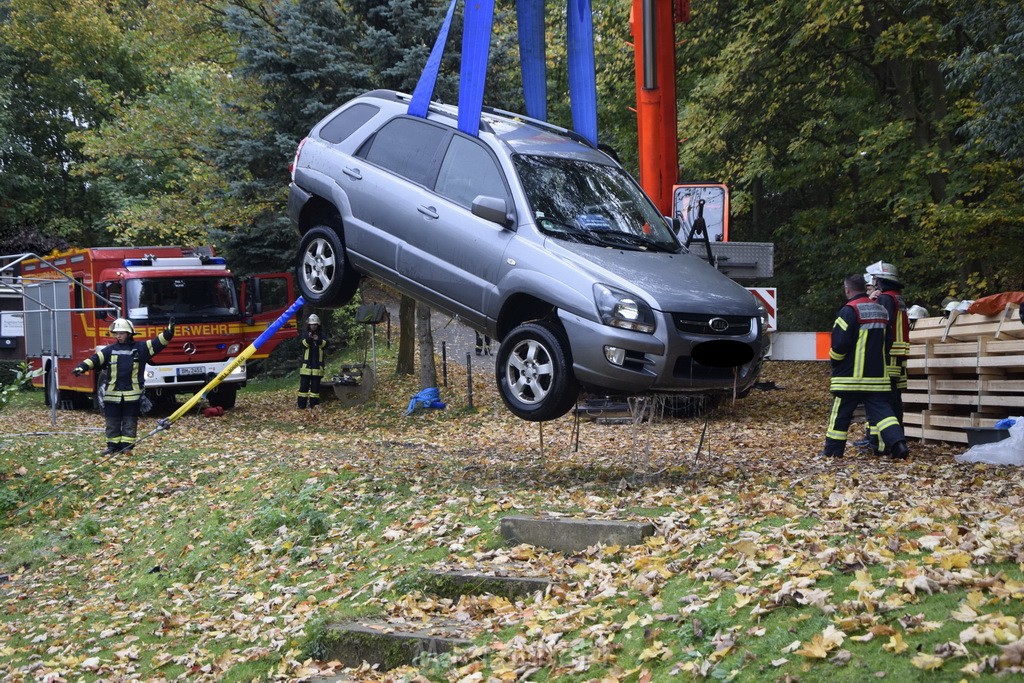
x=1009, y=451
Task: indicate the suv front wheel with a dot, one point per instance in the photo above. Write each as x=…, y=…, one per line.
x=325, y=277
x=534, y=372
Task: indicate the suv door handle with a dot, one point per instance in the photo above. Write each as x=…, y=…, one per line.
x=428, y=211
x=352, y=173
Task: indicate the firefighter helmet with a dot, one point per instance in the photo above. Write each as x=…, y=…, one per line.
x=916, y=312
x=313, y=320
x=882, y=271
x=122, y=325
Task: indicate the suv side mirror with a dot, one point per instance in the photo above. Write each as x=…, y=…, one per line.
x=493, y=209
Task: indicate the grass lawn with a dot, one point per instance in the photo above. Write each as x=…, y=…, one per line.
x=221, y=547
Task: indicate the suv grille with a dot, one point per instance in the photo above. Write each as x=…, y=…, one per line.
x=710, y=324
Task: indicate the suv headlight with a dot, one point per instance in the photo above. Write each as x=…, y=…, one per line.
x=762, y=314
x=624, y=310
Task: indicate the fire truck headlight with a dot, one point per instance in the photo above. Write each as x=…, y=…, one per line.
x=234, y=349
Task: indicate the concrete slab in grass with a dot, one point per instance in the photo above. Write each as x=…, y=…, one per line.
x=452, y=584
x=380, y=643
x=567, y=535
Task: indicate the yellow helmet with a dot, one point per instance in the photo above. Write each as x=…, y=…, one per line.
x=122, y=325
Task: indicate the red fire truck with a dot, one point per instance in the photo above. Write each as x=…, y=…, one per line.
x=72, y=297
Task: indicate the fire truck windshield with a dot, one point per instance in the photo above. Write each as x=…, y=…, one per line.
x=186, y=298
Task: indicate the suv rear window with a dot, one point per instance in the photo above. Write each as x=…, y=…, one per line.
x=347, y=122
x=406, y=147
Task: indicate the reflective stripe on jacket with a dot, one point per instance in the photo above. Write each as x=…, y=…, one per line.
x=313, y=357
x=858, y=352
x=126, y=362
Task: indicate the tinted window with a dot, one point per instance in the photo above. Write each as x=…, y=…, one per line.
x=468, y=171
x=347, y=122
x=406, y=147
x=273, y=293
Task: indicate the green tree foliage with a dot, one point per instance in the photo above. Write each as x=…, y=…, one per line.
x=991, y=66
x=49, y=89
x=838, y=131
x=104, y=97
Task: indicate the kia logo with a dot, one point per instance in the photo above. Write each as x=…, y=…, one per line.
x=718, y=324
x=190, y=348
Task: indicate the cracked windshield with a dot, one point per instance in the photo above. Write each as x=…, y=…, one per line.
x=581, y=201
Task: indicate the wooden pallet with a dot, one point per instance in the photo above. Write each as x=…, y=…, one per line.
x=963, y=371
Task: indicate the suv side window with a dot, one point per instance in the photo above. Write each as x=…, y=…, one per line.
x=347, y=122
x=407, y=147
x=468, y=170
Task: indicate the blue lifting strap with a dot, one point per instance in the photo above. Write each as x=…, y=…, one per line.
x=530, y=18
x=420, y=101
x=476, y=43
x=582, y=81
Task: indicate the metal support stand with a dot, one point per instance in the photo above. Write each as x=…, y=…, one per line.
x=469, y=381
x=444, y=364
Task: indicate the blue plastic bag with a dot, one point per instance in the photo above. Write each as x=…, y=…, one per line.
x=428, y=398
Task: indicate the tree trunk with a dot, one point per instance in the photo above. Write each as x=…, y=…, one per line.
x=425, y=337
x=406, y=361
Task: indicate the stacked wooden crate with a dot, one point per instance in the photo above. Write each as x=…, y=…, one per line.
x=964, y=371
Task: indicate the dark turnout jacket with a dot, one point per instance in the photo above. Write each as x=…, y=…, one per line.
x=126, y=362
x=858, y=353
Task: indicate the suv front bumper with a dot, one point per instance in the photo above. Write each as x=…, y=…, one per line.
x=662, y=361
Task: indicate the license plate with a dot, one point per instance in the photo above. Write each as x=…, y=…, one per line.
x=191, y=372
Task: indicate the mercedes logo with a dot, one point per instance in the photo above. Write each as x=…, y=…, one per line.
x=718, y=324
x=190, y=348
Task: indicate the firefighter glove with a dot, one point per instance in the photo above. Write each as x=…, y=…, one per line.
x=77, y=372
x=170, y=325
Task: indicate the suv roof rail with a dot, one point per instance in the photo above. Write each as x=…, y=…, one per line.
x=537, y=123
x=452, y=112
x=440, y=108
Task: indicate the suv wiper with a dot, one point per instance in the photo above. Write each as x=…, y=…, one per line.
x=621, y=238
x=567, y=231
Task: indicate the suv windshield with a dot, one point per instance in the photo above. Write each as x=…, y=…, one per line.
x=582, y=201
x=186, y=298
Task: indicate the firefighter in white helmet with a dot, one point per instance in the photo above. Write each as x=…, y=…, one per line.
x=122, y=393
x=314, y=346
x=885, y=287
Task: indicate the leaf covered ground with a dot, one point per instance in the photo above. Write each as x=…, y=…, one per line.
x=222, y=547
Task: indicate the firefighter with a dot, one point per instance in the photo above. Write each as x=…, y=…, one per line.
x=312, y=369
x=860, y=372
x=126, y=359
x=884, y=286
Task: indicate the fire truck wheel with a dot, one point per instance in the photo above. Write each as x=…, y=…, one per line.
x=224, y=397
x=325, y=276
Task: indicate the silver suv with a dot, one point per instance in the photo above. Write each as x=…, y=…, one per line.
x=528, y=234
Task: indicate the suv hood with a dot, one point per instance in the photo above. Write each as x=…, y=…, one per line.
x=675, y=283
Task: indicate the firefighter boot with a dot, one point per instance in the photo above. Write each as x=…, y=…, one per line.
x=899, y=450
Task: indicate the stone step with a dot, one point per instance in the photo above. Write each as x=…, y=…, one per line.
x=452, y=584
x=388, y=646
x=568, y=535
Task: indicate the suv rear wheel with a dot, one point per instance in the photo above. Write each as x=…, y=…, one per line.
x=534, y=372
x=325, y=277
